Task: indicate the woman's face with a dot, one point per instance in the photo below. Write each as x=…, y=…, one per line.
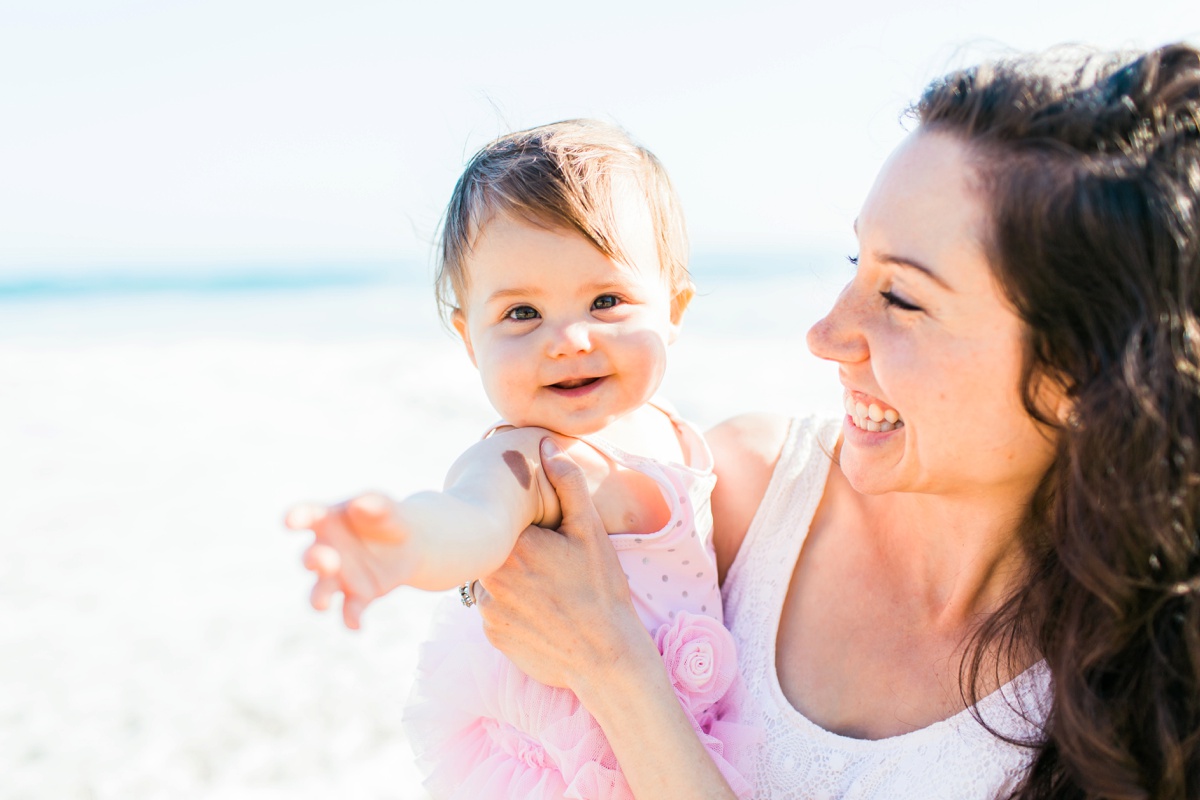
x=928, y=349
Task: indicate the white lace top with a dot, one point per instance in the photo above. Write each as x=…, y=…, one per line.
x=956, y=758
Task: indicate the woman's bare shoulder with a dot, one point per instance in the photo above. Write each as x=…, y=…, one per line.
x=745, y=450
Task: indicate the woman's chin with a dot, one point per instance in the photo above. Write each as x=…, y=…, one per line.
x=866, y=460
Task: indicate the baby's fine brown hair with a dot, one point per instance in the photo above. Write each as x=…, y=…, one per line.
x=562, y=175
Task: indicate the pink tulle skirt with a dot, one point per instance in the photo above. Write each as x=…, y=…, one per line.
x=483, y=729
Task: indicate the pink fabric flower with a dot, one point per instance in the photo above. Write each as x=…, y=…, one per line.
x=699, y=654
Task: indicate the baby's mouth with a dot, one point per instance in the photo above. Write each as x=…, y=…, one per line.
x=872, y=416
x=574, y=383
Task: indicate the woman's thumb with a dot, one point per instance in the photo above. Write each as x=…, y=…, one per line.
x=570, y=484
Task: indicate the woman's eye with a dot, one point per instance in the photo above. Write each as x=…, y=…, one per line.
x=605, y=301
x=895, y=300
x=522, y=313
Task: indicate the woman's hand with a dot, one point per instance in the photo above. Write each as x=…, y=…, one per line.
x=559, y=607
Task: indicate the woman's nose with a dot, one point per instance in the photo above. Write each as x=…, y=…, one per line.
x=838, y=336
x=571, y=339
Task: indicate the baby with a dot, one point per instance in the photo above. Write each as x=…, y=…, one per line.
x=563, y=269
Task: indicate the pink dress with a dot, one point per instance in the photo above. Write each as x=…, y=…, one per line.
x=483, y=729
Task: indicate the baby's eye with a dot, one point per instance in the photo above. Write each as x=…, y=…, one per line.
x=895, y=300
x=853, y=261
x=605, y=301
x=522, y=313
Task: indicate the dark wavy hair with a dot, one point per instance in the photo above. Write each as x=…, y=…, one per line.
x=1090, y=164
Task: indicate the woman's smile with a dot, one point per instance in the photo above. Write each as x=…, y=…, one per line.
x=868, y=414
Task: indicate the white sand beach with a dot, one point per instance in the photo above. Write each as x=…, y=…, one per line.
x=156, y=640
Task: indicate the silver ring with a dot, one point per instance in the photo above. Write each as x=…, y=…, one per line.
x=466, y=593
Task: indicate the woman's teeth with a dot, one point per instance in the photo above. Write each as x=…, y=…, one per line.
x=873, y=417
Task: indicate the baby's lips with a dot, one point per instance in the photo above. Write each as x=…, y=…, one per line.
x=574, y=383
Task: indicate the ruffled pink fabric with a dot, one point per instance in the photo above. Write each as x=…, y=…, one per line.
x=483, y=729
x=701, y=660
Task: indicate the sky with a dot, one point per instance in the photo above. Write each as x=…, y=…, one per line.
x=232, y=133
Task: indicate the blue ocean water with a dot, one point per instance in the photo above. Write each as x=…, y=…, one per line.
x=735, y=294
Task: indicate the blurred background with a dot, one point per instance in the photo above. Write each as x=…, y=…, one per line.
x=216, y=232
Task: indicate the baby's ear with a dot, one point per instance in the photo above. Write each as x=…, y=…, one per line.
x=459, y=320
x=679, y=304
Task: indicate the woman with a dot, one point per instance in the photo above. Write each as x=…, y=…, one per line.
x=996, y=597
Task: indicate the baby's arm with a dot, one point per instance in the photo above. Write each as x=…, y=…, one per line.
x=369, y=545
x=493, y=492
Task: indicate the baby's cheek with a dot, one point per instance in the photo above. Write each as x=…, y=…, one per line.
x=497, y=393
x=512, y=393
x=648, y=351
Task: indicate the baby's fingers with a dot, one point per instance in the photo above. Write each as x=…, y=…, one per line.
x=305, y=516
x=323, y=591
x=372, y=516
x=353, y=607
x=323, y=560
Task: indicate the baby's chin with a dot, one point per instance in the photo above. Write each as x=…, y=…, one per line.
x=566, y=430
x=567, y=427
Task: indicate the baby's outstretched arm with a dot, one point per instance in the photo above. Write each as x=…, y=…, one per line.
x=369, y=545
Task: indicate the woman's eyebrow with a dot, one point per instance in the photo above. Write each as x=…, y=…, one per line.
x=901, y=261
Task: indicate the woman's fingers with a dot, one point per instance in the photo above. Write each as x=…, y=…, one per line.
x=579, y=514
x=558, y=605
x=580, y=521
x=505, y=586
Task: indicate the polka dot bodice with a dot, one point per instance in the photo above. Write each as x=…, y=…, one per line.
x=482, y=728
x=671, y=570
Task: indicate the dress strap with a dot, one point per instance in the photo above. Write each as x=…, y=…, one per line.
x=495, y=427
x=697, y=457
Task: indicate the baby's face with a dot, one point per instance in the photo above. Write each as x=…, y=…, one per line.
x=564, y=337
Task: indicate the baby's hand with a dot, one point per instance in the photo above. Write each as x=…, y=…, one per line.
x=359, y=550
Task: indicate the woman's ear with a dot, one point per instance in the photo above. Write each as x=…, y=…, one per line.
x=1066, y=414
x=679, y=304
x=459, y=320
x=1056, y=399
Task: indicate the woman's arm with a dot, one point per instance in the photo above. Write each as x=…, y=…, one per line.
x=560, y=609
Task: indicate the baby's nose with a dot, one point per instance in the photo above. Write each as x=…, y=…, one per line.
x=572, y=338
